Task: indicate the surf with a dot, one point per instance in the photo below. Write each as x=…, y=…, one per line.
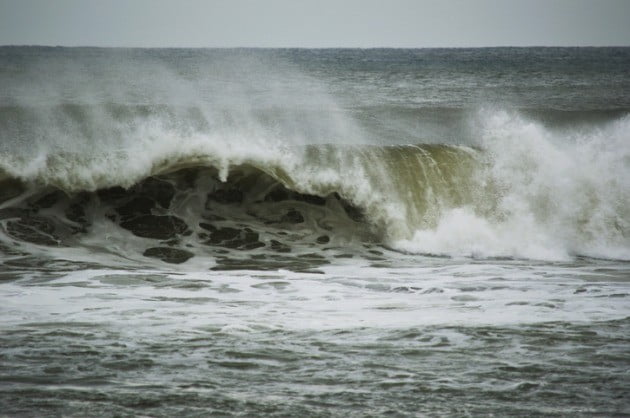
x=524, y=194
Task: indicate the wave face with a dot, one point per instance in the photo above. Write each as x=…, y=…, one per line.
x=242, y=154
x=314, y=197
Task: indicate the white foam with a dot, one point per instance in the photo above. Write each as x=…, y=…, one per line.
x=558, y=195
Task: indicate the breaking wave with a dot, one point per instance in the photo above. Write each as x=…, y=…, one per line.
x=526, y=191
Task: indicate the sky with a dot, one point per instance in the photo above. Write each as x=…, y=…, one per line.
x=315, y=23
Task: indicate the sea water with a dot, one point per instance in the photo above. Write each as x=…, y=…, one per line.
x=314, y=232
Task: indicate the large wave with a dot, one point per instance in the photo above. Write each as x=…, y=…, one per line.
x=430, y=177
x=527, y=191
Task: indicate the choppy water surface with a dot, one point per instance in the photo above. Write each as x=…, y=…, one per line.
x=396, y=334
x=314, y=233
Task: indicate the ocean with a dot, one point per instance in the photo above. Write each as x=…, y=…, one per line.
x=314, y=232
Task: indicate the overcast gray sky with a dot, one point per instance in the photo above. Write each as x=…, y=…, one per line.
x=314, y=23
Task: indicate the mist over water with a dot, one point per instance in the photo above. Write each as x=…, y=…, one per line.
x=346, y=230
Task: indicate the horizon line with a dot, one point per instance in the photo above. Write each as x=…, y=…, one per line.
x=306, y=47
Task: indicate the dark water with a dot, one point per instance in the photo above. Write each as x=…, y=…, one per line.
x=314, y=232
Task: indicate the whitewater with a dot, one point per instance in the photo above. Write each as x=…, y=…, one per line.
x=314, y=232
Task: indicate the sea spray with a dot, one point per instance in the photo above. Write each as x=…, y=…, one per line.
x=554, y=196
